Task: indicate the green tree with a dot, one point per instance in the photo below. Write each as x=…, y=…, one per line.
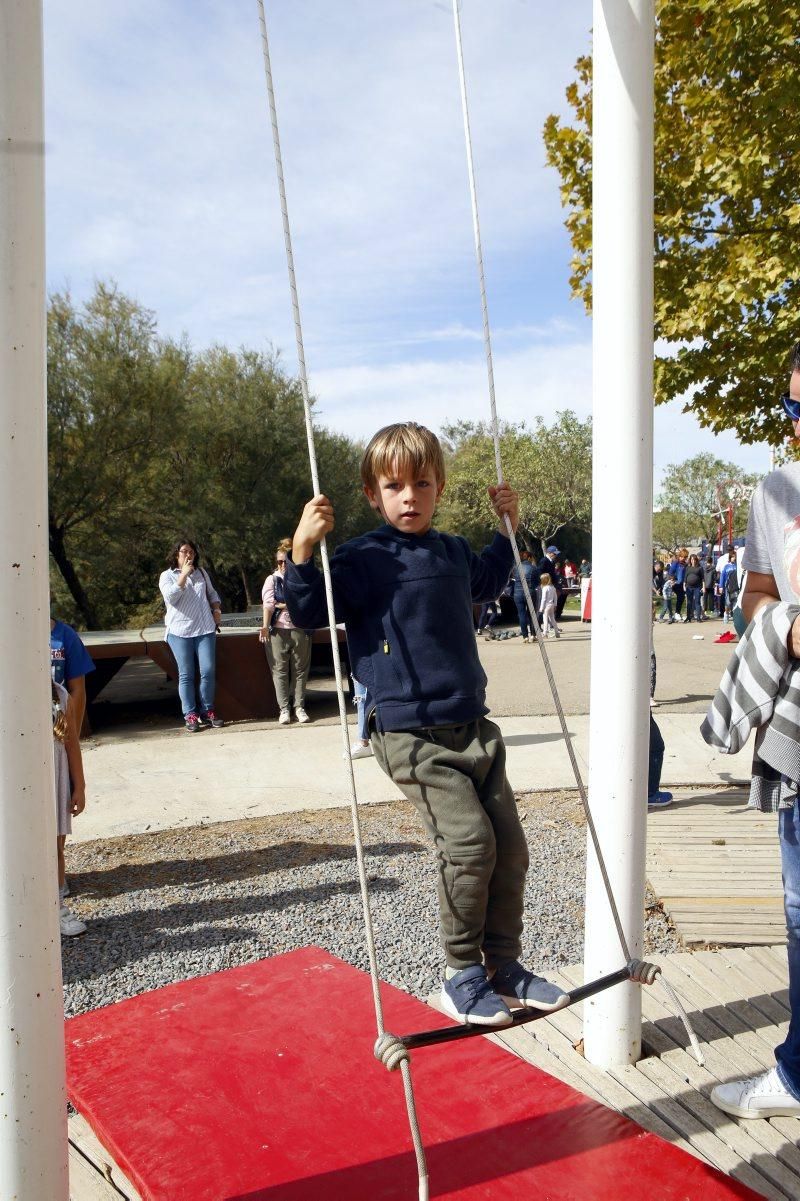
x=727, y=205
x=149, y=442
x=692, y=494
x=242, y=470
x=239, y=464
x=672, y=530
x=550, y=467
x=115, y=399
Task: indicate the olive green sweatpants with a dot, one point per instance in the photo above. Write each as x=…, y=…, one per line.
x=456, y=778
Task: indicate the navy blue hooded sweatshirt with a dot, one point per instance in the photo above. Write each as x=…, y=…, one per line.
x=406, y=600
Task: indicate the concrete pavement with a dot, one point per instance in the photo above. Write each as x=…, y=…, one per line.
x=145, y=773
x=154, y=781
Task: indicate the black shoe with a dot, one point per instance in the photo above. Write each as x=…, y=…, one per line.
x=209, y=718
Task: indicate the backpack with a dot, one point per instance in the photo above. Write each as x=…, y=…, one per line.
x=732, y=585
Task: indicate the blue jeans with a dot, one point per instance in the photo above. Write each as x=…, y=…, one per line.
x=489, y=615
x=190, y=652
x=360, y=698
x=788, y=1053
x=525, y=623
x=693, y=610
x=656, y=759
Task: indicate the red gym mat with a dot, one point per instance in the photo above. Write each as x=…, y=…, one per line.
x=259, y=1084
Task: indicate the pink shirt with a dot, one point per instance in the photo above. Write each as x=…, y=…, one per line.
x=282, y=620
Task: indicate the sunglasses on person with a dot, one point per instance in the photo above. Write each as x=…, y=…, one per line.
x=790, y=407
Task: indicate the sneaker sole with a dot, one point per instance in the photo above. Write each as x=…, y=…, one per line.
x=771, y=1111
x=516, y=1003
x=447, y=1005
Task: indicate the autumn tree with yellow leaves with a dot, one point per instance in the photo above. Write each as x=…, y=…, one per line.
x=727, y=206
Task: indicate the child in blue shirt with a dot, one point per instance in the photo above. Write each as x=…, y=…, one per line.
x=405, y=592
x=70, y=664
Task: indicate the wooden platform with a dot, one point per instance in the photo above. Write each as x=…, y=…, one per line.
x=716, y=866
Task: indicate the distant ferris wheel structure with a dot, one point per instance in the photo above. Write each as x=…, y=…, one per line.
x=730, y=493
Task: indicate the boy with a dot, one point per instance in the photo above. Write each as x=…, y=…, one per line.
x=405, y=593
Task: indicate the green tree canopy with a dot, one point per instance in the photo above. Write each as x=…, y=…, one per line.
x=727, y=206
x=115, y=399
x=149, y=442
x=693, y=493
x=550, y=466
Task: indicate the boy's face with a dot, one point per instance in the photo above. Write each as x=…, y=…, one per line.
x=406, y=501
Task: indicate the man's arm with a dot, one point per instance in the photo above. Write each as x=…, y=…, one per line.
x=761, y=590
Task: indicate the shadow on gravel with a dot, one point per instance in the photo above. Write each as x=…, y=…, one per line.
x=239, y=865
x=182, y=928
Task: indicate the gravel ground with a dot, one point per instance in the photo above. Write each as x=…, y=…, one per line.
x=166, y=906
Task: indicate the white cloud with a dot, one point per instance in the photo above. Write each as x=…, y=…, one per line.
x=537, y=381
x=158, y=127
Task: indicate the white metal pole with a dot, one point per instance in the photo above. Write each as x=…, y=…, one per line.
x=622, y=502
x=33, y=1141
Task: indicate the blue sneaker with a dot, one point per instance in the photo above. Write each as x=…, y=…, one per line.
x=470, y=999
x=519, y=987
x=659, y=801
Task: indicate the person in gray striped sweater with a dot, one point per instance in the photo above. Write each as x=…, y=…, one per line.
x=194, y=612
x=772, y=562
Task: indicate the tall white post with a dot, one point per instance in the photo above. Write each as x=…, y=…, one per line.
x=33, y=1141
x=622, y=502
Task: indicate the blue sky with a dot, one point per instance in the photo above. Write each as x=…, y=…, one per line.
x=160, y=175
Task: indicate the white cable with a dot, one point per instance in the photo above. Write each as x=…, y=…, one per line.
x=405, y=1066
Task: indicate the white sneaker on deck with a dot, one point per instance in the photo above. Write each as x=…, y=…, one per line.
x=761, y=1096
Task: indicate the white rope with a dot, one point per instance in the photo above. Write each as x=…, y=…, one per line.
x=487, y=342
x=405, y=1066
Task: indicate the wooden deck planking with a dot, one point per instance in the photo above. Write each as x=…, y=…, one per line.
x=93, y=1174
x=715, y=866
x=730, y=996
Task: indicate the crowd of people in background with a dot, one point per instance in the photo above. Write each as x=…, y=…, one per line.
x=688, y=588
x=549, y=583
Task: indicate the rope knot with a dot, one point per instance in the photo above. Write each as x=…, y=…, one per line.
x=642, y=972
x=390, y=1051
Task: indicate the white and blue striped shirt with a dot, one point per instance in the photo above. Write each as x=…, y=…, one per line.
x=189, y=608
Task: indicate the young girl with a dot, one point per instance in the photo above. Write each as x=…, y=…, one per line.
x=70, y=794
x=548, y=602
x=288, y=649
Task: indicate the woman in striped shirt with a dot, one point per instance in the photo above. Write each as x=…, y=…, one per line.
x=193, y=615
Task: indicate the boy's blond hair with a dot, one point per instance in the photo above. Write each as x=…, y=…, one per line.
x=405, y=447
x=545, y=578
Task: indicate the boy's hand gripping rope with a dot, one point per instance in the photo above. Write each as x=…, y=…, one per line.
x=487, y=342
x=405, y=1065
